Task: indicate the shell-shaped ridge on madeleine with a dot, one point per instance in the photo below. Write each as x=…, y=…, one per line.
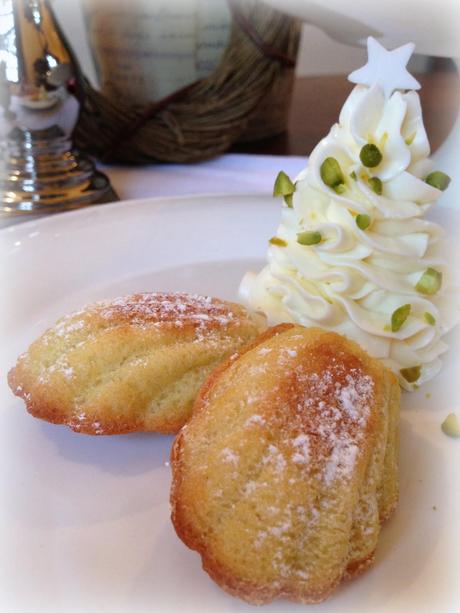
x=128, y=364
x=288, y=465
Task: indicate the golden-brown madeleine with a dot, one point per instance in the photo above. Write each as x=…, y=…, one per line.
x=131, y=364
x=287, y=465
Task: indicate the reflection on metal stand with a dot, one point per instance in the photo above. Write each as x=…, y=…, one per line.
x=40, y=170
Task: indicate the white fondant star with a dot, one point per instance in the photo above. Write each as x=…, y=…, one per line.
x=386, y=68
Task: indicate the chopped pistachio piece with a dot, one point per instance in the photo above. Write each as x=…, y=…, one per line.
x=370, y=155
x=283, y=185
x=376, y=185
x=430, y=282
x=354, y=176
x=430, y=319
x=411, y=374
x=279, y=242
x=363, y=221
x=399, y=317
x=410, y=139
x=438, y=179
x=451, y=425
x=309, y=238
x=331, y=173
x=288, y=200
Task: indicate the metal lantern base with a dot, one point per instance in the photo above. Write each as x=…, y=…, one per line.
x=40, y=171
x=42, y=174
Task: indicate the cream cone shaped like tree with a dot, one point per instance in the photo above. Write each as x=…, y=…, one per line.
x=353, y=252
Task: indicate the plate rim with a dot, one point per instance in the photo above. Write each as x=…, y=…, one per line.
x=120, y=204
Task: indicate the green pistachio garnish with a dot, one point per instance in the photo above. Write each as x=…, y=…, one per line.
x=283, y=185
x=370, y=155
x=410, y=139
x=309, y=238
x=451, y=426
x=353, y=176
x=438, y=179
x=363, y=221
x=399, y=317
x=279, y=242
x=411, y=374
x=430, y=319
x=430, y=282
x=288, y=200
x=376, y=185
x=331, y=173
x=340, y=188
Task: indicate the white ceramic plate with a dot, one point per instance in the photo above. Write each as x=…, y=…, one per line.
x=85, y=520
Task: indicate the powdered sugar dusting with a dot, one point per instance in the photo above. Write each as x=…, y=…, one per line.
x=170, y=309
x=60, y=367
x=302, y=446
x=250, y=487
x=275, y=458
x=304, y=417
x=254, y=419
x=97, y=428
x=64, y=326
x=230, y=456
x=264, y=351
x=326, y=411
x=350, y=396
x=82, y=421
x=329, y=409
x=339, y=404
x=67, y=371
x=158, y=309
x=342, y=459
x=280, y=529
x=201, y=317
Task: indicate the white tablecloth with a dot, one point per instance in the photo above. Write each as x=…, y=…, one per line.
x=227, y=174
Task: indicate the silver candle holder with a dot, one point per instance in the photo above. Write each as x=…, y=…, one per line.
x=40, y=169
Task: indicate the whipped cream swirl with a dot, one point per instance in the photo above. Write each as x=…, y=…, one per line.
x=354, y=280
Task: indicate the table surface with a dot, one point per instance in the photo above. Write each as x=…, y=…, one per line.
x=316, y=104
x=315, y=107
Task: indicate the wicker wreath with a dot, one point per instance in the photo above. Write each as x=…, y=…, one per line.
x=205, y=118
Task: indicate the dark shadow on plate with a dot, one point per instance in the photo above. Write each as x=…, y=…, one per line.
x=64, y=479
x=122, y=454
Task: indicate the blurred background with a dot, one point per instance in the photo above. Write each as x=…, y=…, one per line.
x=149, y=82
x=319, y=53
x=330, y=44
